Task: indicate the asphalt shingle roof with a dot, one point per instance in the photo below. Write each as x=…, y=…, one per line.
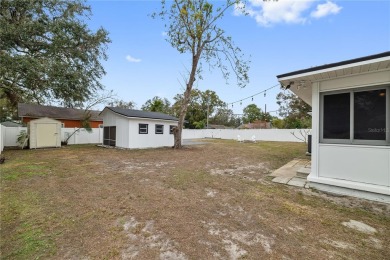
x=141, y=114
x=37, y=111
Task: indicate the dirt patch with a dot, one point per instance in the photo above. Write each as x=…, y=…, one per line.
x=143, y=238
x=213, y=201
x=359, y=226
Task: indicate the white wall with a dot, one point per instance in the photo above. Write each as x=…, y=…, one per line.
x=122, y=127
x=281, y=135
x=361, y=80
x=122, y=132
x=151, y=139
x=367, y=164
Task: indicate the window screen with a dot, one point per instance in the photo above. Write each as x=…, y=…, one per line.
x=336, y=120
x=370, y=115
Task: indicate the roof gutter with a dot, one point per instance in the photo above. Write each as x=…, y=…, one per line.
x=338, y=65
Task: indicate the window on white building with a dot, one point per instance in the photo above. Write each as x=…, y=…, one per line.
x=358, y=116
x=143, y=129
x=160, y=129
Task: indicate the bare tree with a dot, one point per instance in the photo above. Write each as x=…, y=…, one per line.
x=303, y=134
x=192, y=28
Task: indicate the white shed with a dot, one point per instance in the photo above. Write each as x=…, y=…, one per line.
x=350, y=124
x=44, y=132
x=127, y=128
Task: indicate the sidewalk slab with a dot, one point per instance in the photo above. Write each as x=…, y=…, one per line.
x=281, y=179
x=297, y=182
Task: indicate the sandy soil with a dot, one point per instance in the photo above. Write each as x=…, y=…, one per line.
x=211, y=201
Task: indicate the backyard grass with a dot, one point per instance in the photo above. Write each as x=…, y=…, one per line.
x=211, y=201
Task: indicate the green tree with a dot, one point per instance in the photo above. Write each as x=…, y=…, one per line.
x=265, y=116
x=294, y=110
x=251, y=114
x=224, y=116
x=7, y=112
x=192, y=28
x=201, y=104
x=122, y=104
x=158, y=104
x=278, y=123
x=47, y=52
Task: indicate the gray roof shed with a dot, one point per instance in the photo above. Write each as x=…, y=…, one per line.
x=141, y=113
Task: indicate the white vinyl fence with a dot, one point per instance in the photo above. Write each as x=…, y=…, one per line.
x=2, y=129
x=82, y=136
x=10, y=134
x=281, y=135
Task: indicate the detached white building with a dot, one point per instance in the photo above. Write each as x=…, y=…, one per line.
x=128, y=128
x=350, y=124
x=44, y=132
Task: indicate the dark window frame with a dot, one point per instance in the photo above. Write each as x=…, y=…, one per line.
x=156, y=130
x=141, y=129
x=352, y=140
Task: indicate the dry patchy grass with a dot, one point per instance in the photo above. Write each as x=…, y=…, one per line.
x=212, y=201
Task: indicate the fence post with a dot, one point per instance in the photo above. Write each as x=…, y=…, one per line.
x=1, y=138
x=75, y=136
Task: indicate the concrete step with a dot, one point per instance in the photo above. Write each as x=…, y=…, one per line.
x=303, y=172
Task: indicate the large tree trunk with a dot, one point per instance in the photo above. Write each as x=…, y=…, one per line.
x=183, y=110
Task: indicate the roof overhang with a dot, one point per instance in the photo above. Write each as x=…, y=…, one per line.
x=300, y=82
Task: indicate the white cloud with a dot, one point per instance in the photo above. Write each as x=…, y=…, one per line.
x=267, y=13
x=132, y=59
x=325, y=9
x=164, y=34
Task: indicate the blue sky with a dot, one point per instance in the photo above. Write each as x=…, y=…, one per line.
x=279, y=37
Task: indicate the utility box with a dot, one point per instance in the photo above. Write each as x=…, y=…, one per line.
x=44, y=132
x=309, y=144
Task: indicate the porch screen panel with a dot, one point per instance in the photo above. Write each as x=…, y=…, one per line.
x=106, y=135
x=109, y=135
x=336, y=120
x=370, y=115
x=112, y=135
